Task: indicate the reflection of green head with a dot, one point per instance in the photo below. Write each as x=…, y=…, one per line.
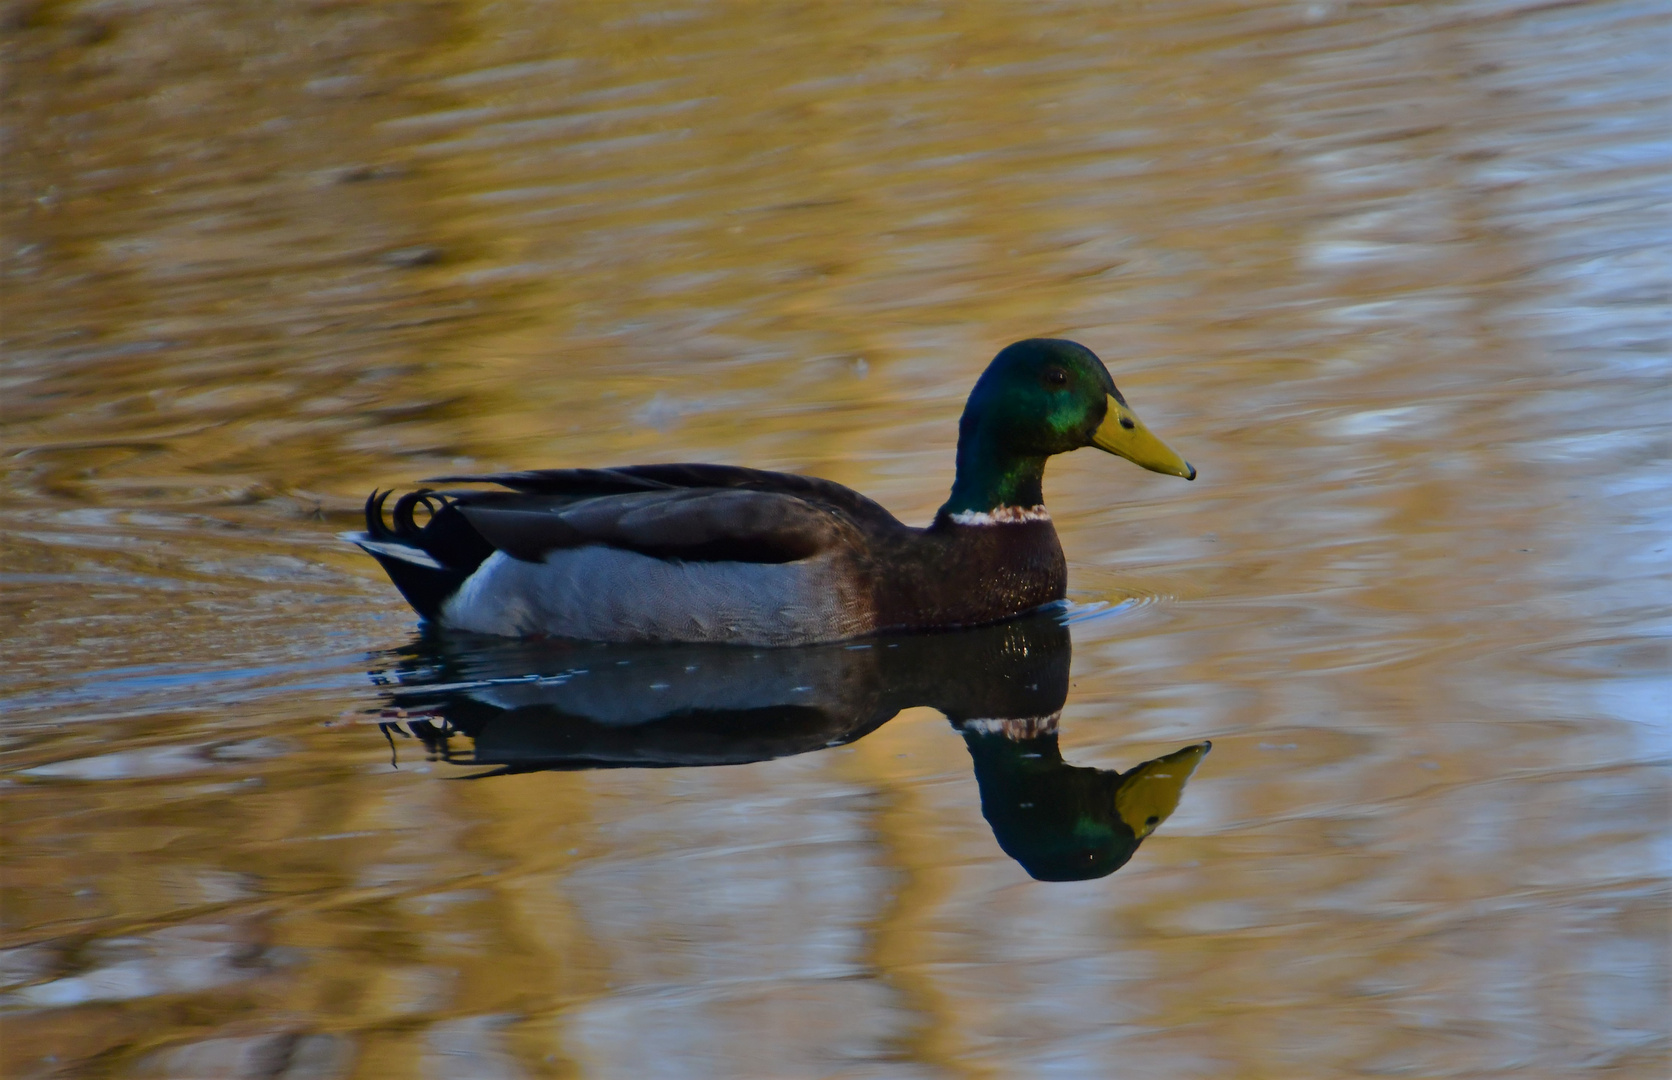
x=1064, y=822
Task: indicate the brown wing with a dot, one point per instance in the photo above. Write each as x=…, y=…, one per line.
x=574, y=484
x=698, y=524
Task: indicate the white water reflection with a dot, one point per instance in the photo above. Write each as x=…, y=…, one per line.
x=175, y=960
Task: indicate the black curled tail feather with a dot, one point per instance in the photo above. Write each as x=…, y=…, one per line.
x=375, y=528
x=406, y=529
x=431, y=500
x=427, y=563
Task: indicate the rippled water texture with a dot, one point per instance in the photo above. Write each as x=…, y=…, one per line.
x=1394, y=276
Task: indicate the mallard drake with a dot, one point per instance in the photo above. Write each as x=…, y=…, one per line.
x=719, y=553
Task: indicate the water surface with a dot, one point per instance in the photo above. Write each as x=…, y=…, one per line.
x=1392, y=275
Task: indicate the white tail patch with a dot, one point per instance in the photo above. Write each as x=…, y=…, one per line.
x=1001, y=515
x=403, y=552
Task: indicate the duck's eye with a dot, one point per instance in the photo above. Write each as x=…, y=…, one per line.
x=1056, y=377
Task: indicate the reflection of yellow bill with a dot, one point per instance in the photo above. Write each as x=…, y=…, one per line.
x=1149, y=794
x=1121, y=432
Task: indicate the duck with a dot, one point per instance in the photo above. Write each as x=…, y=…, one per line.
x=725, y=554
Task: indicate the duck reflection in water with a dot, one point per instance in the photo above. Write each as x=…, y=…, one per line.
x=529, y=706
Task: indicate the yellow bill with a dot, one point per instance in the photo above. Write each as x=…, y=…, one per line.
x=1122, y=433
x=1149, y=794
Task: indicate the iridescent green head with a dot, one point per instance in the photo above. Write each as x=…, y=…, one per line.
x=1037, y=398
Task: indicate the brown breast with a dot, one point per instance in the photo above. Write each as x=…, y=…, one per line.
x=964, y=575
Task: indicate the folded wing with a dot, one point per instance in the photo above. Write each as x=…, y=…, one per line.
x=708, y=525
x=571, y=484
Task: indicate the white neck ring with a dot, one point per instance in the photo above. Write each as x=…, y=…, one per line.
x=1001, y=515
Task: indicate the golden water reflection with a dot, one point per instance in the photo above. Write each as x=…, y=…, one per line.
x=1391, y=271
